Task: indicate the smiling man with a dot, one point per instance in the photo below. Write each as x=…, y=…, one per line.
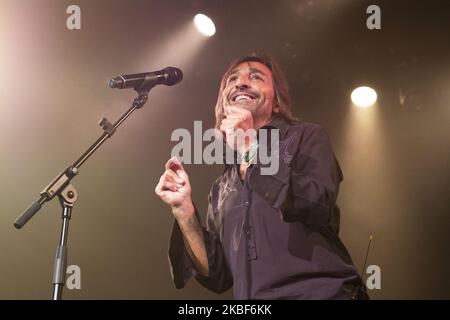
x=267, y=236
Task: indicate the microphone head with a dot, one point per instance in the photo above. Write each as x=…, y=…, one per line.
x=173, y=75
x=115, y=82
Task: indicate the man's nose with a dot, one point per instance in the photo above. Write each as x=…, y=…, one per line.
x=242, y=83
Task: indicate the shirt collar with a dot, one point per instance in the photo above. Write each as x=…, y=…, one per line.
x=277, y=122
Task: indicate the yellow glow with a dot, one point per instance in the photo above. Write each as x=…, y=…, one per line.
x=364, y=97
x=204, y=25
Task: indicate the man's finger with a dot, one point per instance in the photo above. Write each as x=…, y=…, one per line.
x=234, y=116
x=232, y=120
x=230, y=110
x=227, y=128
x=236, y=109
x=168, y=185
x=174, y=164
x=169, y=162
x=173, y=176
x=227, y=122
x=179, y=169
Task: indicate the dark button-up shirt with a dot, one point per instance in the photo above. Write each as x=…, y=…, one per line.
x=275, y=236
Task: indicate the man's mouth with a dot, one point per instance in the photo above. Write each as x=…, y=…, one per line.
x=243, y=97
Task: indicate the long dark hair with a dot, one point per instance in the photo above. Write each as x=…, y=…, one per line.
x=280, y=86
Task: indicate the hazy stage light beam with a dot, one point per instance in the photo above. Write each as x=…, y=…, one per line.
x=178, y=50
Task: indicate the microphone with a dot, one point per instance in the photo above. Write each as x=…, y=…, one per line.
x=167, y=76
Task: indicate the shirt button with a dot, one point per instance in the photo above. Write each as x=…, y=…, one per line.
x=246, y=203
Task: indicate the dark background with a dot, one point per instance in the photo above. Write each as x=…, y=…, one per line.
x=53, y=90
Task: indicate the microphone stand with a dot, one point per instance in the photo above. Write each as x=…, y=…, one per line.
x=67, y=194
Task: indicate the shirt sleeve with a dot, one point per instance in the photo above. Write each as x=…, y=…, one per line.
x=306, y=188
x=183, y=268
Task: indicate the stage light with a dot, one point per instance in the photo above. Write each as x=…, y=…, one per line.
x=364, y=97
x=204, y=25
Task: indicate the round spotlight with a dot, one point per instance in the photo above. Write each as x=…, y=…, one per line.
x=364, y=97
x=204, y=25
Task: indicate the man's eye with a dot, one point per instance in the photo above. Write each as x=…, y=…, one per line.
x=232, y=78
x=255, y=76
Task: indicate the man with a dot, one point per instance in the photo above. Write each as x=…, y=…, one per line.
x=267, y=236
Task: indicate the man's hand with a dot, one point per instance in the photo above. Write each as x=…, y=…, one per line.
x=238, y=118
x=174, y=189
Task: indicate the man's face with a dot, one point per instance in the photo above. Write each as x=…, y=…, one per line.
x=250, y=86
